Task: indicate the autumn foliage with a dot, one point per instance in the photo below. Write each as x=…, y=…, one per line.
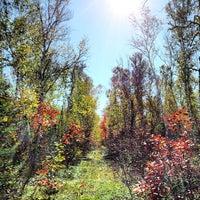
x=74, y=141
x=44, y=118
x=179, y=124
x=44, y=180
x=73, y=134
x=171, y=171
x=104, y=132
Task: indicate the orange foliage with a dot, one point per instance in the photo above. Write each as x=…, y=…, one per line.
x=42, y=172
x=73, y=133
x=48, y=183
x=45, y=118
x=179, y=121
x=45, y=167
x=104, y=132
x=171, y=159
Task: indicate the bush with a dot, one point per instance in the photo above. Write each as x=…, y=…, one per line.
x=171, y=172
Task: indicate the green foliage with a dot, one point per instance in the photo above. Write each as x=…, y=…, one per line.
x=92, y=179
x=184, y=51
x=8, y=138
x=83, y=103
x=41, y=140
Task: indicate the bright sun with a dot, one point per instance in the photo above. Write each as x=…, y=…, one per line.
x=123, y=7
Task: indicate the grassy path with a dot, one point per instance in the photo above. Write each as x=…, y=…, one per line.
x=92, y=180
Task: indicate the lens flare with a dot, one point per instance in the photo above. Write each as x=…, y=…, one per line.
x=124, y=7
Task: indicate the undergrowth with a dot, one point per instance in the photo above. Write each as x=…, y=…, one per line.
x=92, y=179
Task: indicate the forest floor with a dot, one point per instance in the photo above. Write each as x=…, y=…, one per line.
x=92, y=179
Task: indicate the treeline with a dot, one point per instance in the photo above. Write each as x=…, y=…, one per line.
x=151, y=124
x=47, y=101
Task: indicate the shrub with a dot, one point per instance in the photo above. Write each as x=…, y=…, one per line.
x=171, y=172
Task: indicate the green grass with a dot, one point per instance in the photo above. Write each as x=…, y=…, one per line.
x=92, y=179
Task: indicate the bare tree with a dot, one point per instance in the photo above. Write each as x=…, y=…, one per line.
x=146, y=31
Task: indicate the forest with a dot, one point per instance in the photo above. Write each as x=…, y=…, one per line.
x=54, y=145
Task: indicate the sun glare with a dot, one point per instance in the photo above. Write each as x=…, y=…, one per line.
x=123, y=7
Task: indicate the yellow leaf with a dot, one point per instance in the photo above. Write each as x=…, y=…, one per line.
x=5, y=119
x=35, y=105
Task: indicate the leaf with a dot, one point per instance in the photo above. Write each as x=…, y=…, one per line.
x=5, y=119
x=42, y=172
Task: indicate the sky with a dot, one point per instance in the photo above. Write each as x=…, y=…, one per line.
x=108, y=31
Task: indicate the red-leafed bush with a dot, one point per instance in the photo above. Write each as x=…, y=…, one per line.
x=44, y=118
x=73, y=134
x=179, y=124
x=73, y=140
x=171, y=172
x=44, y=181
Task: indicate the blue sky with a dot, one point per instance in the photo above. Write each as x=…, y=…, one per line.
x=108, y=37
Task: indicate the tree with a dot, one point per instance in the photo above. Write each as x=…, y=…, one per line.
x=184, y=33
x=172, y=94
x=139, y=74
x=8, y=136
x=104, y=132
x=121, y=82
x=31, y=34
x=83, y=104
x=146, y=32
